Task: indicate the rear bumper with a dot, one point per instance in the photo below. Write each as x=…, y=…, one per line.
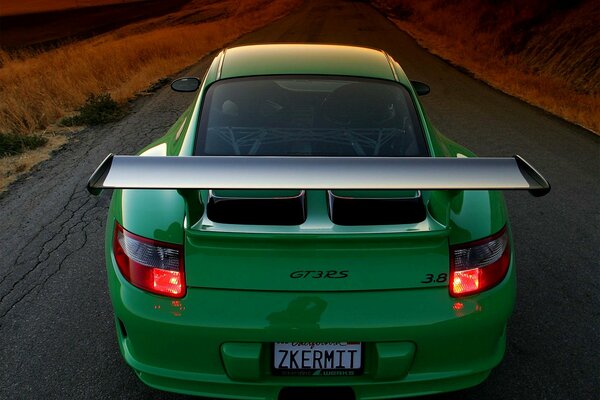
x=181, y=345
x=374, y=390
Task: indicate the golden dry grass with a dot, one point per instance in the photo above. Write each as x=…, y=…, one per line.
x=36, y=89
x=546, y=57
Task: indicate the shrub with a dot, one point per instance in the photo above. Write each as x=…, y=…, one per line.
x=12, y=143
x=98, y=109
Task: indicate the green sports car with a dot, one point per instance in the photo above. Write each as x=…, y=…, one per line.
x=303, y=225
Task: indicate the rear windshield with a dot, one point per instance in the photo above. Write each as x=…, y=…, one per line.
x=309, y=116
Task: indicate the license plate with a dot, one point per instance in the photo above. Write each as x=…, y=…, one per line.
x=344, y=358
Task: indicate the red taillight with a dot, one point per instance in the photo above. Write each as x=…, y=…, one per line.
x=150, y=265
x=480, y=265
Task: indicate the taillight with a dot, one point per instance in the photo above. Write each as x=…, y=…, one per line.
x=480, y=265
x=148, y=264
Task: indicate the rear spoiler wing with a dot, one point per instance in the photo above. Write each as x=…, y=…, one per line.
x=370, y=173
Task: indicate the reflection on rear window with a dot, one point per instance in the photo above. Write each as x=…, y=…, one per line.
x=309, y=116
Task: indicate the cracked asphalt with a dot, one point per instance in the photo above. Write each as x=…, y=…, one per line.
x=57, y=337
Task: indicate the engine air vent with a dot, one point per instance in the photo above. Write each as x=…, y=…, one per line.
x=375, y=208
x=254, y=207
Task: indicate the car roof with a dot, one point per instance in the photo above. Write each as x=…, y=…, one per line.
x=300, y=59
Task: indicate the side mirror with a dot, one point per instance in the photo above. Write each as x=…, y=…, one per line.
x=185, y=84
x=421, y=88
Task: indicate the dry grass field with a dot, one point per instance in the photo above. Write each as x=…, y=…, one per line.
x=544, y=52
x=38, y=88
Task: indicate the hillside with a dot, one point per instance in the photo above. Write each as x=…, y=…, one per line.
x=545, y=52
x=44, y=29
x=14, y=7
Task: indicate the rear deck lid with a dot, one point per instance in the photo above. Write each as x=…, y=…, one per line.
x=313, y=262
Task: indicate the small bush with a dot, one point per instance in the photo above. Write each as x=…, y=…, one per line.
x=12, y=144
x=98, y=109
x=158, y=84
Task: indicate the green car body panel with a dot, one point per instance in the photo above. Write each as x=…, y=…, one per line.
x=217, y=340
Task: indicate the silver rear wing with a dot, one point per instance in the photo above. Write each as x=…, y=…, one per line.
x=370, y=173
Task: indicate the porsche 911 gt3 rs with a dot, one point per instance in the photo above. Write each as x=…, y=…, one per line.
x=304, y=225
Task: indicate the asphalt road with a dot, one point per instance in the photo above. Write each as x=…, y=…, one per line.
x=57, y=338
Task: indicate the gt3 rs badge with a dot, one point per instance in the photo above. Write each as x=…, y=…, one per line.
x=320, y=274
